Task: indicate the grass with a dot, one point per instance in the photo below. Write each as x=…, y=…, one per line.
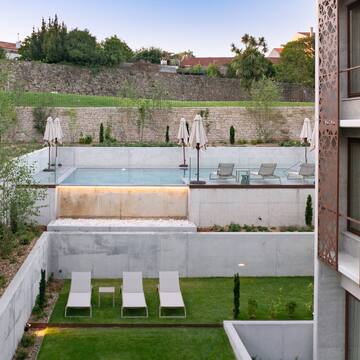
x=33, y=99
x=136, y=344
x=208, y=300
x=18, y=149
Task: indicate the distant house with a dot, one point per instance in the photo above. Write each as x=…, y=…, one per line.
x=204, y=62
x=274, y=55
x=11, y=49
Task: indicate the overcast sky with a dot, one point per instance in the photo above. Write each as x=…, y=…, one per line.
x=207, y=27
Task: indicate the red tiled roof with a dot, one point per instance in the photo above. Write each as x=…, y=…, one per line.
x=279, y=50
x=8, y=46
x=205, y=61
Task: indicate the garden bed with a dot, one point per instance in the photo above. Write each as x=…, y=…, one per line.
x=255, y=228
x=11, y=261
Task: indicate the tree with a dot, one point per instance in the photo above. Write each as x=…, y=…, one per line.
x=54, y=41
x=2, y=54
x=116, y=51
x=297, y=62
x=309, y=211
x=250, y=63
x=268, y=120
x=101, y=133
x=232, y=135
x=81, y=47
x=152, y=54
x=213, y=71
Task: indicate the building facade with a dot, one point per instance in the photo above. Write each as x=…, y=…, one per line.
x=337, y=271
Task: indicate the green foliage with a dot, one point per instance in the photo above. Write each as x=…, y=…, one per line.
x=2, y=54
x=250, y=63
x=52, y=43
x=101, y=133
x=242, y=142
x=291, y=308
x=308, y=211
x=85, y=139
x=297, y=62
x=213, y=71
x=167, y=136
x=21, y=354
x=152, y=55
x=268, y=120
x=236, y=292
x=234, y=227
x=232, y=135
x=290, y=143
x=107, y=133
x=40, y=115
x=194, y=70
x=115, y=51
x=42, y=290
x=252, y=308
x=27, y=340
x=276, y=305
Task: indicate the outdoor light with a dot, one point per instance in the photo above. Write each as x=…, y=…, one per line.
x=241, y=265
x=27, y=327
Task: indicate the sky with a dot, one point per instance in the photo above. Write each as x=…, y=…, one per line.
x=207, y=27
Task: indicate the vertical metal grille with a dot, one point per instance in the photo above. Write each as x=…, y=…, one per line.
x=328, y=132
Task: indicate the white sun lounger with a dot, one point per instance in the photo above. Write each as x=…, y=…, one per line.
x=80, y=292
x=170, y=293
x=306, y=171
x=132, y=292
x=223, y=172
x=265, y=172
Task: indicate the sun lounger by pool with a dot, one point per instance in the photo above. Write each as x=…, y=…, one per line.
x=265, y=172
x=80, y=292
x=223, y=172
x=306, y=171
x=170, y=293
x=132, y=292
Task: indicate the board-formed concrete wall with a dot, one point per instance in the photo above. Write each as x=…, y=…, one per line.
x=19, y=298
x=271, y=340
x=124, y=123
x=107, y=255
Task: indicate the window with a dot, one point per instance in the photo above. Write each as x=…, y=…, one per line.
x=354, y=185
x=353, y=328
x=354, y=48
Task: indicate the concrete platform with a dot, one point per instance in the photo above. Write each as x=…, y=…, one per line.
x=115, y=225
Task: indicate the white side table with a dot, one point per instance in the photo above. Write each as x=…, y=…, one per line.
x=107, y=290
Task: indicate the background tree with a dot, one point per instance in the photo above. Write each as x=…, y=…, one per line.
x=268, y=120
x=213, y=71
x=81, y=47
x=54, y=41
x=2, y=54
x=297, y=62
x=250, y=63
x=152, y=54
x=116, y=51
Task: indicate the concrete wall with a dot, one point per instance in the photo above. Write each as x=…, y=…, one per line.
x=107, y=255
x=139, y=79
x=122, y=202
x=267, y=207
x=124, y=123
x=271, y=340
x=158, y=157
x=19, y=298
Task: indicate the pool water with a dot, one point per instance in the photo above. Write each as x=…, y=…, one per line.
x=105, y=177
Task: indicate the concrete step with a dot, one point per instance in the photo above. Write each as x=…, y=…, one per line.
x=117, y=225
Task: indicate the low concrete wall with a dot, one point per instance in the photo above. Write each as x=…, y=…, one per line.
x=265, y=206
x=107, y=255
x=122, y=202
x=159, y=157
x=271, y=340
x=19, y=298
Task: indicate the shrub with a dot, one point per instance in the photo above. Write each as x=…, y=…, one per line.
x=290, y=143
x=2, y=54
x=232, y=135
x=21, y=354
x=308, y=212
x=101, y=133
x=42, y=290
x=85, y=139
x=234, y=227
x=252, y=308
x=213, y=71
x=40, y=114
x=236, y=291
x=241, y=142
x=290, y=308
x=167, y=136
x=27, y=340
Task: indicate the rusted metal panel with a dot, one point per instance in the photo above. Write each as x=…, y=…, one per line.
x=328, y=132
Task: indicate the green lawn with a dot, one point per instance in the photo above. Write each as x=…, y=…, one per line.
x=208, y=300
x=135, y=344
x=73, y=100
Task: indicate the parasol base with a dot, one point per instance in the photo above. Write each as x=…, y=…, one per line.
x=49, y=170
x=195, y=182
x=183, y=166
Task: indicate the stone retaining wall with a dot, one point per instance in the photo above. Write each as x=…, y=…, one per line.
x=141, y=79
x=124, y=123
